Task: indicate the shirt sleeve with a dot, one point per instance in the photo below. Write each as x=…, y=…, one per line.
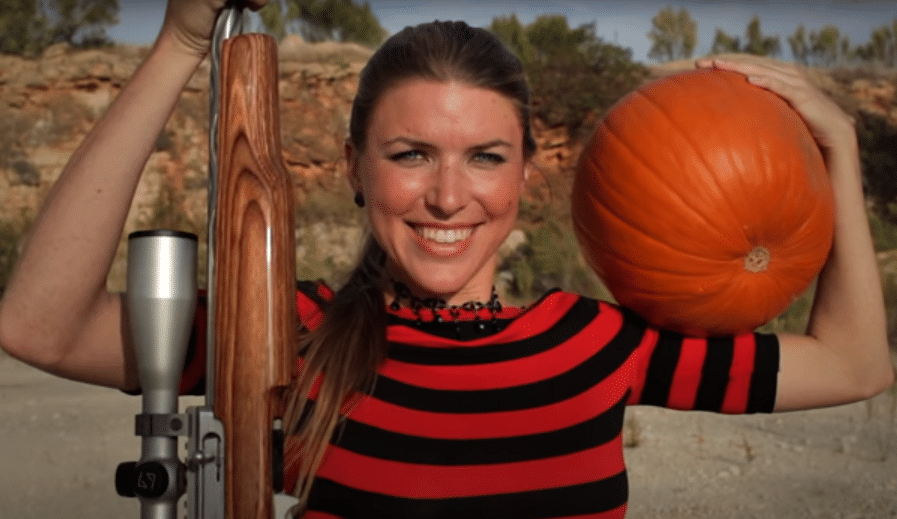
x=734, y=374
x=311, y=298
x=193, y=379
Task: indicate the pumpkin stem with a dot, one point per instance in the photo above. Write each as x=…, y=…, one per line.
x=757, y=260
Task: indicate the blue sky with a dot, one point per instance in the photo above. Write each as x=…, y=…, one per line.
x=623, y=22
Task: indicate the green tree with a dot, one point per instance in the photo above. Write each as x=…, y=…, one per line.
x=574, y=74
x=21, y=27
x=798, y=43
x=882, y=46
x=324, y=20
x=877, y=139
x=673, y=35
x=847, y=52
x=273, y=19
x=724, y=42
x=510, y=31
x=755, y=42
x=82, y=22
x=825, y=46
x=552, y=38
x=28, y=27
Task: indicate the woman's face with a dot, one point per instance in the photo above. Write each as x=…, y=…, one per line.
x=441, y=172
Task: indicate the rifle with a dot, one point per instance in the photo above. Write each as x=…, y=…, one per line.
x=255, y=275
x=235, y=442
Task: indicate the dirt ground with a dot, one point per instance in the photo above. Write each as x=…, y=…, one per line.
x=62, y=441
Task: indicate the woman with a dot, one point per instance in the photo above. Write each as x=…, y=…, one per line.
x=430, y=397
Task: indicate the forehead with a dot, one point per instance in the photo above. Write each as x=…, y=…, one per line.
x=440, y=111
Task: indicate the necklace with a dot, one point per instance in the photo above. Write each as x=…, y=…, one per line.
x=433, y=305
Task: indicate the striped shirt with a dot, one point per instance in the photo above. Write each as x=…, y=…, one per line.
x=524, y=422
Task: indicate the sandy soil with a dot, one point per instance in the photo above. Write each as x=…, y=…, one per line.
x=62, y=441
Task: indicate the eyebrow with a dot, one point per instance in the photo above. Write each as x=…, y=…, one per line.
x=417, y=143
x=492, y=144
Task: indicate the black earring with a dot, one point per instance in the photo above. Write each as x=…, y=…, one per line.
x=359, y=199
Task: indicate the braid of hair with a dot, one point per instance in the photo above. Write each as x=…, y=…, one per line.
x=344, y=352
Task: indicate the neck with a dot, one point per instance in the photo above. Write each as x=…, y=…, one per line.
x=478, y=292
x=400, y=294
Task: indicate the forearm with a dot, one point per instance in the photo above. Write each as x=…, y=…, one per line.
x=61, y=272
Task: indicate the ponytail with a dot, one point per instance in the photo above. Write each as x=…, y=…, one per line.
x=344, y=353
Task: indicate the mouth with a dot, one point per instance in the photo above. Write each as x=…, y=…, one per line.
x=444, y=235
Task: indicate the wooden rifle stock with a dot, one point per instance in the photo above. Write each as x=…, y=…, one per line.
x=255, y=273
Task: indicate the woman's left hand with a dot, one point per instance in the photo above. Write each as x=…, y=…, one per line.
x=828, y=123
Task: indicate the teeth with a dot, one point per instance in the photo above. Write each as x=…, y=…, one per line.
x=445, y=235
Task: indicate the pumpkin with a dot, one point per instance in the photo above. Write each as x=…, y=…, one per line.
x=703, y=203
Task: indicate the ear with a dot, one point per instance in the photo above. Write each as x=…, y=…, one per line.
x=352, y=166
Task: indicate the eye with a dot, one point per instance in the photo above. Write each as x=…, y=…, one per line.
x=408, y=156
x=488, y=159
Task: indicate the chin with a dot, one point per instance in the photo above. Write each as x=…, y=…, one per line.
x=466, y=280
x=435, y=287
x=458, y=287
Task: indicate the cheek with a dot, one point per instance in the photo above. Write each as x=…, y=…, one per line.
x=391, y=193
x=502, y=199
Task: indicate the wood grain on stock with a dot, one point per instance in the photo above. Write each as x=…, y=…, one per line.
x=255, y=311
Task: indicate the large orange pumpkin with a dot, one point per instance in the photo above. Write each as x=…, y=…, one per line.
x=703, y=203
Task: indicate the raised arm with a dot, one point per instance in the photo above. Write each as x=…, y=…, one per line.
x=56, y=313
x=844, y=356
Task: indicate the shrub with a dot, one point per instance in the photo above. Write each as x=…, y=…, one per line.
x=336, y=206
x=167, y=212
x=884, y=232
x=878, y=153
x=550, y=258
x=574, y=74
x=11, y=233
x=795, y=318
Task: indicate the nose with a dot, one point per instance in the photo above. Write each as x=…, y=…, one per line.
x=449, y=191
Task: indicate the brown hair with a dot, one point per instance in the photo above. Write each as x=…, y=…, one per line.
x=345, y=351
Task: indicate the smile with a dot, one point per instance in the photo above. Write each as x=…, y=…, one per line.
x=441, y=235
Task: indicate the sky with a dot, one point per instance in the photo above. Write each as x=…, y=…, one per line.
x=625, y=23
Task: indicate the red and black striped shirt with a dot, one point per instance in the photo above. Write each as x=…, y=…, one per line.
x=524, y=422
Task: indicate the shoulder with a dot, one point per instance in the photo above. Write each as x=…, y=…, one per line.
x=599, y=320
x=312, y=299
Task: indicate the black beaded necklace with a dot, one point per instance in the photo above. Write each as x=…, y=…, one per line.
x=433, y=305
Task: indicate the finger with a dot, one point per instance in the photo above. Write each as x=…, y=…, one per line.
x=755, y=67
x=786, y=83
x=749, y=59
x=785, y=89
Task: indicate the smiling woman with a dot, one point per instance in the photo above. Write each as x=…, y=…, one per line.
x=418, y=394
x=442, y=172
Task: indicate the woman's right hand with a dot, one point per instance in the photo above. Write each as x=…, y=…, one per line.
x=190, y=23
x=56, y=313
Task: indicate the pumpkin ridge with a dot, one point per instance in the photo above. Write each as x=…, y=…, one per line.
x=660, y=242
x=708, y=170
x=701, y=218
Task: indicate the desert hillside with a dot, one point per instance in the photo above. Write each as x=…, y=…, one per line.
x=48, y=104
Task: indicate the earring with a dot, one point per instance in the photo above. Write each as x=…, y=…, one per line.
x=359, y=199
